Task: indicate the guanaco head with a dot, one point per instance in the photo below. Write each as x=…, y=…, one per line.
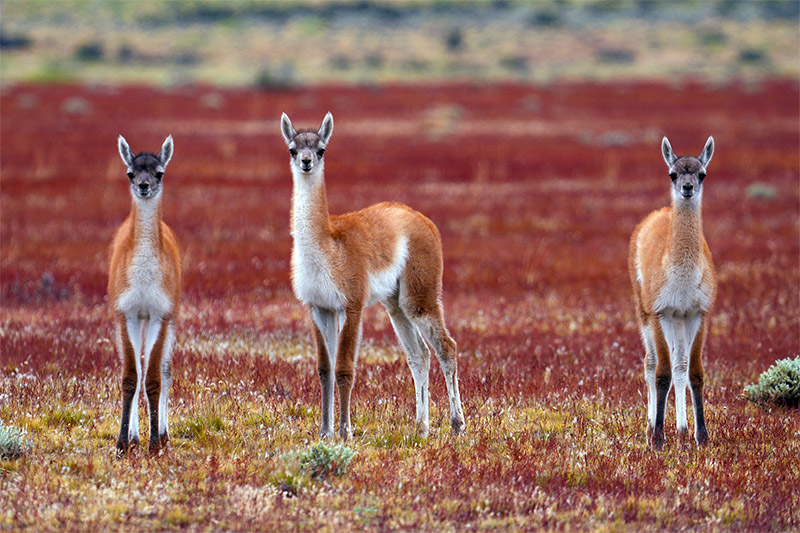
x=307, y=146
x=145, y=169
x=687, y=173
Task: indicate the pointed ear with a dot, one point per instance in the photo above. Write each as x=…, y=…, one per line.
x=708, y=151
x=288, y=131
x=326, y=129
x=666, y=151
x=166, y=151
x=125, y=151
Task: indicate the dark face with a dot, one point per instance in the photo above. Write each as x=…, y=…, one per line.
x=145, y=174
x=306, y=150
x=687, y=175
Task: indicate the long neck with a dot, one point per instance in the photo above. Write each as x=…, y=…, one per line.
x=310, y=219
x=147, y=221
x=687, y=233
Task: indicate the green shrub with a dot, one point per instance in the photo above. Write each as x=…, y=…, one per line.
x=778, y=385
x=324, y=460
x=12, y=445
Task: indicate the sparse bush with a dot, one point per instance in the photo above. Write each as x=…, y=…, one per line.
x=615, y=55
x=270, y=79
x=92, y=51
x=12, y=443
x=778, y=385
x=752, y=55
x=454, y=40
x=319, y=462
x=761, y=190
x=324, y=460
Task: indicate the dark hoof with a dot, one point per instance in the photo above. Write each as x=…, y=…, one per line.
x=702, y=439
x=457, y=423
x=125, y=447
x=657, y=440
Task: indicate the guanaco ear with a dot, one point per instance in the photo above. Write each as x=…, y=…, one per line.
x=666, y=151
x=125, y=151
x=326, y=129
x=166, y=151
x=708, y=151
x=288, y=131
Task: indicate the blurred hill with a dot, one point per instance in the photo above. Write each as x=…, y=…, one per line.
x=281, y=43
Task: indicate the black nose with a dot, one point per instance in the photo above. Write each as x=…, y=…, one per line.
x=688, y=187
x=144, y=186
x=306, y=161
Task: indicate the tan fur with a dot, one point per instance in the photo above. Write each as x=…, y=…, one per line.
x=674, y=287
x=336, y=259
x=144, y=288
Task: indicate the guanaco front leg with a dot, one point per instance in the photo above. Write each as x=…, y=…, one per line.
x=129, y=338
x=345, y=367
x=325, y=335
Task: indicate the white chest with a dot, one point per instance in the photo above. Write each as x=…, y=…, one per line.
x=312, y=281
x=683, y=292
x=145, y=295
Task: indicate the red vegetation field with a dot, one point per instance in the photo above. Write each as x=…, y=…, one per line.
x=535, y=190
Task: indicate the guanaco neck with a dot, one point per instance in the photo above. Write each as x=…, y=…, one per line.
x=687, y=233
x=146, y=215
x=311, y=223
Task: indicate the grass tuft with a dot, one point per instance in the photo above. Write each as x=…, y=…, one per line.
x=778, y=385
x=12, y=442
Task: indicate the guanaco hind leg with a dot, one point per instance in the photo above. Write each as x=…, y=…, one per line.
x=419, y=361
x=435, y=332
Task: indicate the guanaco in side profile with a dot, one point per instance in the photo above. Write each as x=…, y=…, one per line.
x=385, y=253
x=674, y=287
x=144, y=288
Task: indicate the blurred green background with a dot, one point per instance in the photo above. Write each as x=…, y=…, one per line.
x=274, y=44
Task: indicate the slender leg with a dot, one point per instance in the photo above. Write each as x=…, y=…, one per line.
x=345, y=367
x=325, y=335
x=648, y=338
x=663, y=384
x=696, y=382
x=129, y=341
x=419, y=361
x=155, y=336
x=433, y=328
x=166, y=383
x=675, y=332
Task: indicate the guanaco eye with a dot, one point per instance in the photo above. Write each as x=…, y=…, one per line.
x=673, y=176
x=701, y=176
x=159, y=175
x=320, y=152
x=293, y=152
x=130, y=175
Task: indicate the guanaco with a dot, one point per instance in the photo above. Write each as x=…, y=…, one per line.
x=144, y=289
x=674, y=287
x=385, y=253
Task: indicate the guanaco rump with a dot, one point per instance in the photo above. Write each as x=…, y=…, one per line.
x=674, y=287
x=385, y=253
x=144, y=287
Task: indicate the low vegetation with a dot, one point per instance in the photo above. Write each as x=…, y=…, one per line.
x=778, y=385
x=535, y=190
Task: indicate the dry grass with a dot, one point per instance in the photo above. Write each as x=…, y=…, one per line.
x=535, y=217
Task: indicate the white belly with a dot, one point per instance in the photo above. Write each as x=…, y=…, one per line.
x=683, y=292
x=145, y=295
x=383, y=284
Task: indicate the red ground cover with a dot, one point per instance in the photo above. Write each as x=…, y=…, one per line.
x=535, y=191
